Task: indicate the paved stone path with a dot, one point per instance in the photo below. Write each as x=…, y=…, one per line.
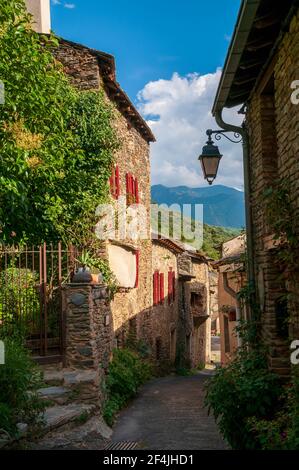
x=168, y=414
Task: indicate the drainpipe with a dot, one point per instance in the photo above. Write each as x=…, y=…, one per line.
x=231, y=292
x=248, y=214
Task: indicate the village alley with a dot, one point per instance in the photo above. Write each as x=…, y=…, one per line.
x=169, y=414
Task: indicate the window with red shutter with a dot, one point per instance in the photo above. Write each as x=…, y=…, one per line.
x=115, y=182
x=161, y=298
x=132, y=189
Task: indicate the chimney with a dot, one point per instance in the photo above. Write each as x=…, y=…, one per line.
x=40, y=10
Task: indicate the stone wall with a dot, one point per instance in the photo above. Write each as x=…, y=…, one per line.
x=132, y=314
x=165, y=315
x=88, y=336
x=87, y=70
x=273, y=127
x=201, y=332
x=228, y=337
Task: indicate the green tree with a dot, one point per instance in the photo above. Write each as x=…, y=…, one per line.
x=56, y=144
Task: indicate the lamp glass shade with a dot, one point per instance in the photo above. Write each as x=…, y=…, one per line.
x=209, y=160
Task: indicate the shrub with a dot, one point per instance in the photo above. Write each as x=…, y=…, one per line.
x=126, y=373
x=19, y=382
x=242, y=390
x=282, y=431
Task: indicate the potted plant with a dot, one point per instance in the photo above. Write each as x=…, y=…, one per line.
x=87, y=264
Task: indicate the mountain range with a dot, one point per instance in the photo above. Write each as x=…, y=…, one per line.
x=222, y=206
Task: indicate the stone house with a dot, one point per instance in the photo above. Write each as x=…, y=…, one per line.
x=231, y=279
x=181, y=304
x=158, y=305
x=261, y=75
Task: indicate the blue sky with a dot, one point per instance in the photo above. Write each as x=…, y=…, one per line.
x=168, y=56
x=151, y=39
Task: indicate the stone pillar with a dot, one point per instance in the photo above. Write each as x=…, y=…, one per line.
x=88, y=336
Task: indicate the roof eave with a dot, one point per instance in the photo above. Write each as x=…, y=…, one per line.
x=242, y=30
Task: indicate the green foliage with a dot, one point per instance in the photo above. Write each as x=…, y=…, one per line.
x=282, y=431
x=57, y=144
x=19, y=382
x=127, y=372
x=213, y=237
x=244, y=389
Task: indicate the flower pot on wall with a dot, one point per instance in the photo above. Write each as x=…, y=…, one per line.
x=83, y=275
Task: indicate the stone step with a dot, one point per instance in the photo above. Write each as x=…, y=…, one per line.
x=66, y=416
x=59, y=395
x=81, y=383
x=94, y=434
x=53, y=377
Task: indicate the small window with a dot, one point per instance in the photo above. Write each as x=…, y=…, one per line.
x=115, y=183
x=161, y=278
x=196, y=300
x=132, y=188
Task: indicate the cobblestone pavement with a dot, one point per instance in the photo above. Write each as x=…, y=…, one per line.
x=168, y=414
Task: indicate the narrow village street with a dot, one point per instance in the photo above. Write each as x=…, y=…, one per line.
x=149, y=230
x=168, y=414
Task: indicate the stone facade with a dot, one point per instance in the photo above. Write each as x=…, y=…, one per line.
x=133, y=315
x=231, y=280
x=272, y=121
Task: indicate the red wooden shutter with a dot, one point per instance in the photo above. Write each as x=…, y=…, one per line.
x=117, y=183
x=161, y=297
x=137, y=268
x=136, y=191
x=132, y=186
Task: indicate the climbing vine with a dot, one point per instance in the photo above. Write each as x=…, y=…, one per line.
x=57, y=144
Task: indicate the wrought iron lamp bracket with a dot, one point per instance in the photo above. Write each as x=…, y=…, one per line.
x=219, y=133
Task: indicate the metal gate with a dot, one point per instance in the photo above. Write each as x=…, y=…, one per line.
x=31, y=280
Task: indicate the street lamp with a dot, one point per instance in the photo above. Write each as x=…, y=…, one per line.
x=210, y=157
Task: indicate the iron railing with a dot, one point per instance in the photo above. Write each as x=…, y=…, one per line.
x=31, y=280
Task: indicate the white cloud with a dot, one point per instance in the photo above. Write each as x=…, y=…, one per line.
x=179, y=112
x=69, y=6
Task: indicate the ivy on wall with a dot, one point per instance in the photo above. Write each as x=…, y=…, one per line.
x=57, y=144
